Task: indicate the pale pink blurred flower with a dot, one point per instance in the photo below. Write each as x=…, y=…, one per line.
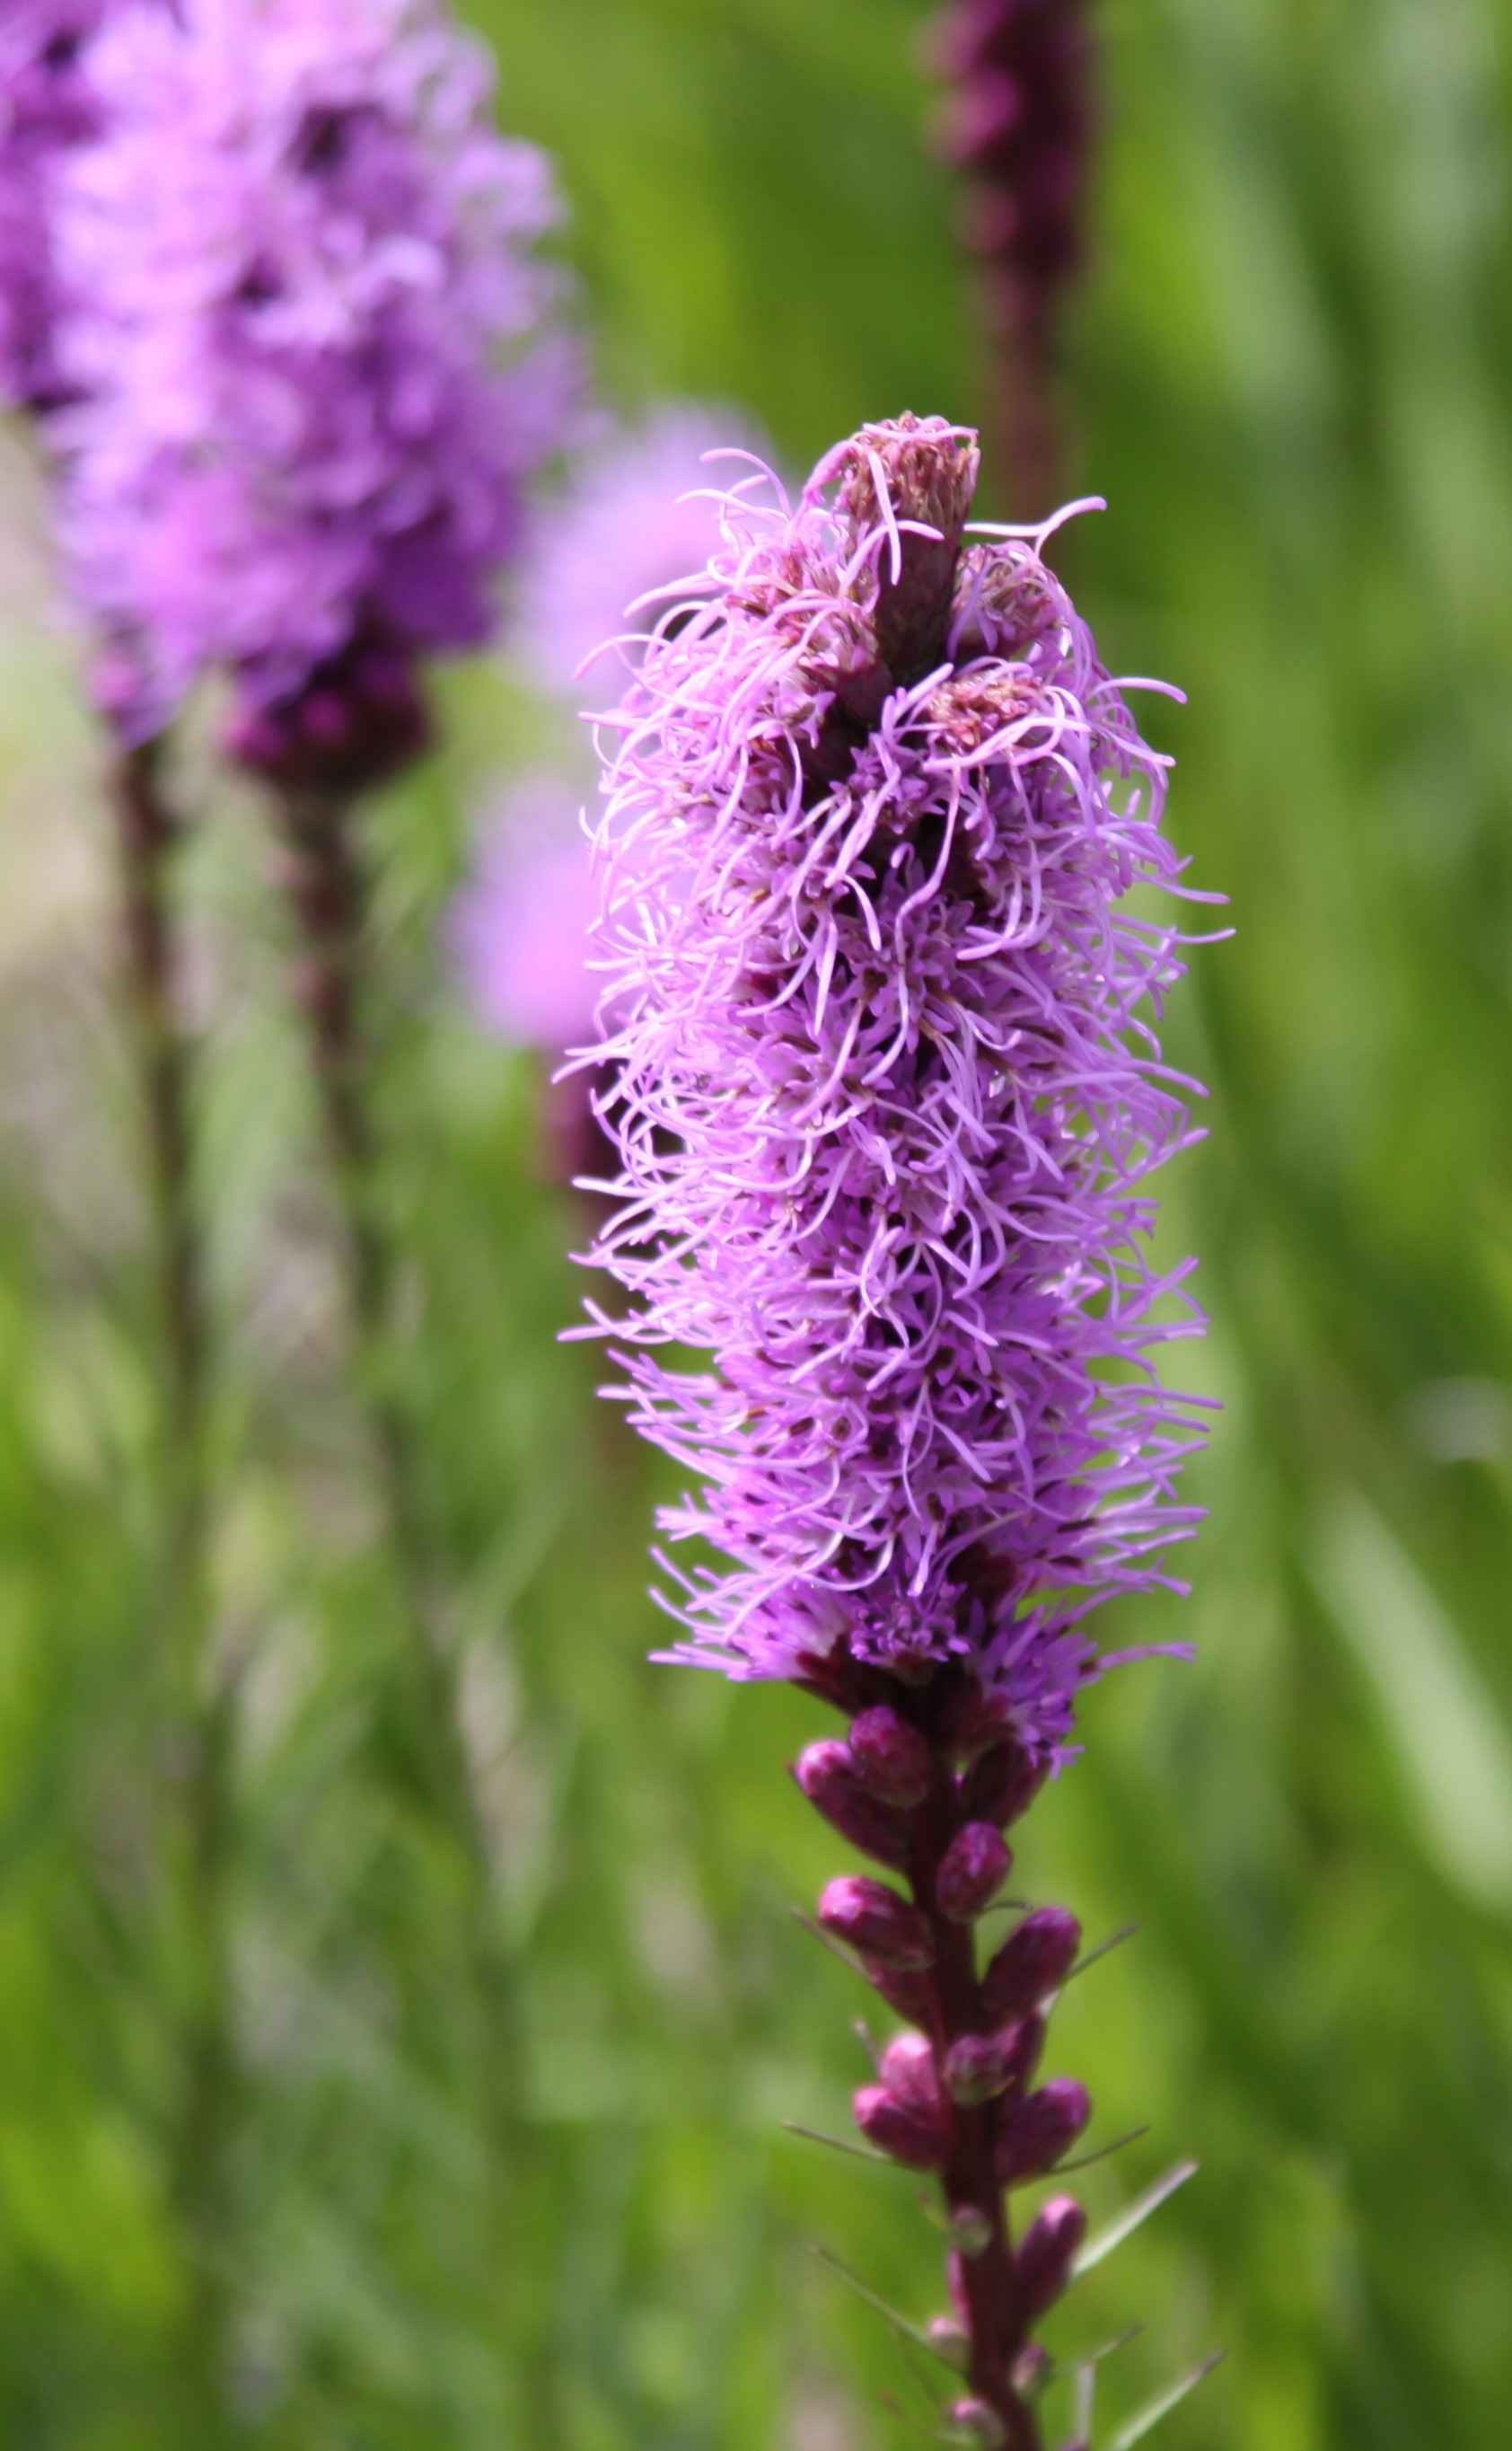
x=639, y=521
x=519, y=932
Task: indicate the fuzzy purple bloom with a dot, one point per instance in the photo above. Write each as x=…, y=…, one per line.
x=46, y=107
x=314, y=341
x=886, y=1092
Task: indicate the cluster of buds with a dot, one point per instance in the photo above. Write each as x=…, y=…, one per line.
x=925, y=1783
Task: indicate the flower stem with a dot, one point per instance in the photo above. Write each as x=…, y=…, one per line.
x=198, y=1748
x=327, y=886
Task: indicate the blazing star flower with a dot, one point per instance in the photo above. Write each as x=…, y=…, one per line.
x=315, y=342
x=886, y=1093
x=634, y=529
x=46, y=107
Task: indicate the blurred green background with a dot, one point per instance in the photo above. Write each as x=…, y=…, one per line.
x=1293, y=379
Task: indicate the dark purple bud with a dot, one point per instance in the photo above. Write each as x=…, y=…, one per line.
x=1034, y=1960
x=977, y=2067
x=977, y=2422
x=1022, y=2046
x=908, y=2072
x=972, y=1870
x=827, y=1775
x=900, y=2129
x=1036, y=2132
x=1002, y=1782
x=874, y=1918
x=890, y=1757
x=906, y=1993
x=1042, y=2264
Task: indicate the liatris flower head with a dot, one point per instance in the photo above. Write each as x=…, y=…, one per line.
x=888, y=1096
x=631, y=533
x=46, y=107
x=314, y=339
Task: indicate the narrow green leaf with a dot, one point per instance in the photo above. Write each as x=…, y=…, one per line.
x=889, y=2314
x=1149, y=2416
x=841, y=2145
x=1085, y=2161
x=1115, y=1940
x=1125, y=2224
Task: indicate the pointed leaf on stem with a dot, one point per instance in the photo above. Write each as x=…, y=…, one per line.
x=900, y=2322
x=1085, y=2161
x=1125, y=2224
x=1149, y=2416
x=1115, y=1940
x=840, y=2143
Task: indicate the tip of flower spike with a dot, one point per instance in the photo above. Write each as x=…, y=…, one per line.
x=905, y=487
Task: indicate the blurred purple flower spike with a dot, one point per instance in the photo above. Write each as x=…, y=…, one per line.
x=315, y=349
x=1018, y=122
x=635, y=526
x=886, y=1094
x=46, y=107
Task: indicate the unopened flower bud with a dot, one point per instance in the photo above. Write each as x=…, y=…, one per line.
x=907, y=2132
x=1033, y=2369
x=909, y=1994
x=948, y=2340
x=977, y=2423
x=1002, y=1783
x=874, y=1918
x=1042, y=2264
x=890, y=1757
x=970, y=2229
x=1034, y=1960
x=826, y=1775
x=975, y=2068
x=1021, y=2046
x=1036, y=2132
x=972, y=1870
x=908, y=2071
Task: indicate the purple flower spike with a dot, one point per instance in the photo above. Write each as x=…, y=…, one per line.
x=886, y=1094
x=46, y=107
x=312, y=336
x=880, y=1064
